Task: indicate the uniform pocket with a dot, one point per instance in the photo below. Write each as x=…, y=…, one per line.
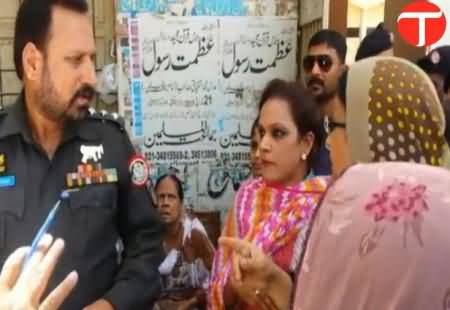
x=12, y=205
x=95, y=196
x=94, y=217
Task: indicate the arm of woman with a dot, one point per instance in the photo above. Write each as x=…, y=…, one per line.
x=256, y=279
x=230, y=298
x=203, y=248
x=279, y=290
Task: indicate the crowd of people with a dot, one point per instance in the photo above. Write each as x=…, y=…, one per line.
x=346, y=207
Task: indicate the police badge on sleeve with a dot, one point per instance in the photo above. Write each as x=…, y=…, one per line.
x=139, y=171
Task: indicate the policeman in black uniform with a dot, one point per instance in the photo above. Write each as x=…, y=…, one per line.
x=437, y=65
x=51, y=141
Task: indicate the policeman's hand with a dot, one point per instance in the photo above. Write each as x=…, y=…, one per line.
x=24, y=290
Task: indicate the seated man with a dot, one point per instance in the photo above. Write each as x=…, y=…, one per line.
x=185, y=270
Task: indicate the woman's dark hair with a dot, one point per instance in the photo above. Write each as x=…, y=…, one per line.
x=33, y=24
x=254, y=127
x=342, y=87
x=303, y=107
x=254, y=130
x=178, y=184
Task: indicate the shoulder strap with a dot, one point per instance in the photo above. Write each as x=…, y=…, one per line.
x=105, y=116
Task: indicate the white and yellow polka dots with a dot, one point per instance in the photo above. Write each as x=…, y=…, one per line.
x=401, y=113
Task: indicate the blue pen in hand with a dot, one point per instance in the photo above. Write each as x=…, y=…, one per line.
x=46, y=226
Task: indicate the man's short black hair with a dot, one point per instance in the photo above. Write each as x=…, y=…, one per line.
x=33, y=24
x=331, y=38
x=377, y=41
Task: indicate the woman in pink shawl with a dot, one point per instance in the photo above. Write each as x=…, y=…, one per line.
x=391, y=242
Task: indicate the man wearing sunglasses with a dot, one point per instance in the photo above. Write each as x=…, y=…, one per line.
x=322, y=67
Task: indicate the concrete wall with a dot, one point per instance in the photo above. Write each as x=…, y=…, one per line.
x=401, y=48
x=362, y=18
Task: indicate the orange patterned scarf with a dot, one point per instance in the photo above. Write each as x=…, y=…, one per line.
x=271, y=217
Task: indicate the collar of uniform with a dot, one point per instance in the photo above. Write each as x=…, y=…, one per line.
x=82, y=129
x=15, y=121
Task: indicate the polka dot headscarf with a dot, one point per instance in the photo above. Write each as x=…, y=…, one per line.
x=394, y=113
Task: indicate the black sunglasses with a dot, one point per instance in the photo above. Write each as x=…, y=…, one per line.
x=324, y=61
x=329, y=125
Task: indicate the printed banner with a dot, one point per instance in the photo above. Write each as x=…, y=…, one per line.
x=201, y=79
x=210, y=7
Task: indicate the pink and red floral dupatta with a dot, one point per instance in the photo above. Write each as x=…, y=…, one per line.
x=273, y=217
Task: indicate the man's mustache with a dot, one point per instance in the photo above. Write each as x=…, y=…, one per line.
x=315, y=81
x=85, y=92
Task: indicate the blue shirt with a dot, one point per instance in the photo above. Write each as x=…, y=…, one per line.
x=322, y=163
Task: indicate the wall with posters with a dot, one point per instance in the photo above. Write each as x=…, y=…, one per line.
x=190, y=86
x=210, y=7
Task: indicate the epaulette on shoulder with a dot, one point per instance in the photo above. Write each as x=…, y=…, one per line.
x=105, y=116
